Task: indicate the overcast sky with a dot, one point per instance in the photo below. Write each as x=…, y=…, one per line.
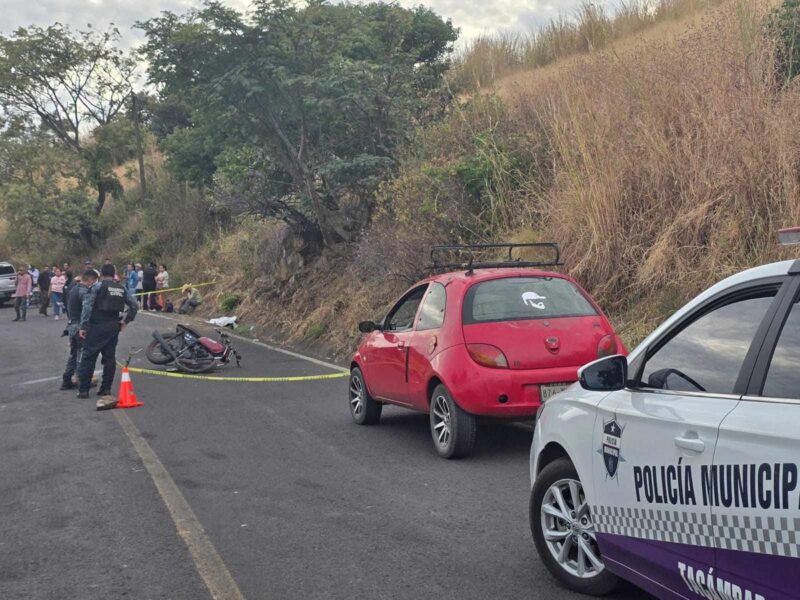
x=472, y=16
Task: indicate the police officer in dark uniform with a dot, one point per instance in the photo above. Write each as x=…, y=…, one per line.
x=74, y=303
x=100, y=326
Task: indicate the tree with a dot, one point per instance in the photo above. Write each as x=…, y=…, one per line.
x=326, y=92
x=41, y=192
x=74, y=85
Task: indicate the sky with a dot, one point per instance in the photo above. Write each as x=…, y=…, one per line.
x=474, y=17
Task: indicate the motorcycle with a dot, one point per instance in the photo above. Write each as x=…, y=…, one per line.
x=190, y=351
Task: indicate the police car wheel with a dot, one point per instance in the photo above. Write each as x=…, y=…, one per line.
x=563, y=531
x=452, y=429
x=364, y=409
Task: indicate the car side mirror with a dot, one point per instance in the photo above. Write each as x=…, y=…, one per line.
x=607, y=374
x=368, y=327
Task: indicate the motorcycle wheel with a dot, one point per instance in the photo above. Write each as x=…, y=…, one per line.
x=155, y=354
x=195, y=360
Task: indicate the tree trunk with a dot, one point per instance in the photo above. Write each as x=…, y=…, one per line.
x=101, y=198
x=139, y=150
x=87, y=238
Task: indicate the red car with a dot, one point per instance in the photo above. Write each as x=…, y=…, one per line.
x=492, y=340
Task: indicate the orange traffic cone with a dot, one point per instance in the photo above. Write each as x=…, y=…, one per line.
x=127, y=399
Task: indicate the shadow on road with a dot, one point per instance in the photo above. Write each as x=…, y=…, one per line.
x=503, y=441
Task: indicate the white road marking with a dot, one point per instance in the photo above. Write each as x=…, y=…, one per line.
x=209, y=563
x=46, y=379
x=310, y=359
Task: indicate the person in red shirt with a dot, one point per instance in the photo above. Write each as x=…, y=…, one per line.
x=22, y=293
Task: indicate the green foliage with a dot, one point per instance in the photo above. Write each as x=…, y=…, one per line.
x=327, y=92
x=229, y=302
x=465, y=175
x=35, y=214
x=172, y=222
x=74, y=87
x=485, y=170
x=41, y=192
x=783, y=24
x=316, y=331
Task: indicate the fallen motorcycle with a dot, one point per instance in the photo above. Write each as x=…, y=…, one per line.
x=190, y=351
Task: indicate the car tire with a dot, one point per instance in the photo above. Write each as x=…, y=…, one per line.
x=364, y=409
x=453, y=430
x=593, y=578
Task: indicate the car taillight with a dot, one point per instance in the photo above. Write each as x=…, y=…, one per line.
x=488, y=355
x=607, y=346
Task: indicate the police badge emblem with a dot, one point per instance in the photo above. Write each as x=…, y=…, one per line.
x=610, y=449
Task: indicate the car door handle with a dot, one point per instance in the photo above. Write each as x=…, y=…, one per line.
x=401, y=345
x=693, y=444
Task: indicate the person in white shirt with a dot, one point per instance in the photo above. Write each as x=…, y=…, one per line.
x=139, y=282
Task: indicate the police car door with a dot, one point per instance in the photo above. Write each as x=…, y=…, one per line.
x=754, y=487
x=654, y=438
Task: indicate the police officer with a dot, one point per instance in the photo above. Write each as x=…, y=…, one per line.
x=74, y=304
x=100, y=326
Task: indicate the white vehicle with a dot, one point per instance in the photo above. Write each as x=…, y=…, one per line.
x=8, y=282
x=677, y=468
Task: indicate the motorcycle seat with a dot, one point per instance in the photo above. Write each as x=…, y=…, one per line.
x=212, y=346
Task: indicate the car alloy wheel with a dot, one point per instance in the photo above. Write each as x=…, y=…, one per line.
x=441, y=420
x=356, y=395
x=364, y=409
x=453, y=430
x=569, y=530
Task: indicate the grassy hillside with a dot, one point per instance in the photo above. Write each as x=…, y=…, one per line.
x=591, y=28
x=661, y=163
x=660, y=166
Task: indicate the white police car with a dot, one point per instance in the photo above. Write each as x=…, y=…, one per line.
x=677, y=468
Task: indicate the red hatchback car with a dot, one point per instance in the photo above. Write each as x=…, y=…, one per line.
x=494, y=340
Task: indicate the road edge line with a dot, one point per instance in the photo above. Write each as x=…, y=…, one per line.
x=209, y=564
x=310, y=359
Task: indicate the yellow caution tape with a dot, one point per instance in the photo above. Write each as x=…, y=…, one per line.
x=244, y=379
x=175, y=288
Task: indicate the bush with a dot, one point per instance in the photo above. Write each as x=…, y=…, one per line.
x=783, y=25
x=229, y=302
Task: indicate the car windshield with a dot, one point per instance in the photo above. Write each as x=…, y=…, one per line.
x=520, y=298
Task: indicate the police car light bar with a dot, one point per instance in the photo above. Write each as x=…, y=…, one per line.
x=789, y=236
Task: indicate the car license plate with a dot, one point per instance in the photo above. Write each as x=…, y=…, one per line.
x=549, y=390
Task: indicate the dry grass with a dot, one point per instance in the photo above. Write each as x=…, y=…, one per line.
x=670, y=165
x=661, y=165
x=489, y=58
x=673, y=167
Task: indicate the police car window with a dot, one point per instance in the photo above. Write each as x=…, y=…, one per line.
x=706, y=355
x=783, y=377
x=521, y=298
x=432, y=314
x=402, y=317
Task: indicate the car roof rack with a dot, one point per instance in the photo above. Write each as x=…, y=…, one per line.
x=439, y=255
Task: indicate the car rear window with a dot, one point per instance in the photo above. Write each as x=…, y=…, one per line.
x=6, y=270
x=520, y=298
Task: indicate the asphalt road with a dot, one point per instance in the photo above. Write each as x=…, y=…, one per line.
x=295, y=500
